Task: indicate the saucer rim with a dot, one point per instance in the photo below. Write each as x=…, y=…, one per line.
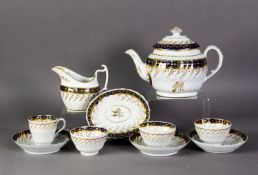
x=64, y=132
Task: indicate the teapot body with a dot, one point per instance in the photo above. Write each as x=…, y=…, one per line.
x=176, y=67
x=177, y=76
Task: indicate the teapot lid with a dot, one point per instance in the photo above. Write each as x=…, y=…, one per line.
x=176, y=41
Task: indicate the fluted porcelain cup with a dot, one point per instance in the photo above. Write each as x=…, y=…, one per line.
x=157, y=133
x=89, y=140
x=43, y=128
x=212, y=130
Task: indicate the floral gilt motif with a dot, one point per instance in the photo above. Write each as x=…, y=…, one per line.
x=178, y=87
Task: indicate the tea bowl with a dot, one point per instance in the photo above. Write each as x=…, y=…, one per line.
x=89, y=140
x=212, y=130
x=157, y=133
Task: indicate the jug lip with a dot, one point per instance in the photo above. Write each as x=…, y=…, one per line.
x=66, y=72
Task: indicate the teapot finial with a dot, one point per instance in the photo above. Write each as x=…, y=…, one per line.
x=176, y=30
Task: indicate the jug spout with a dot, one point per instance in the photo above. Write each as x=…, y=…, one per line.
x=70, y=78
x=140, y=66
x=64, y=73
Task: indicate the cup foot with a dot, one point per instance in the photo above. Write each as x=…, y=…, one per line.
x=39, y=144
x=89, y=154
x=212, y=141
x=73, y=111
x=176, y=95
x=157, y=145
x=159, y=154
x=42, y=153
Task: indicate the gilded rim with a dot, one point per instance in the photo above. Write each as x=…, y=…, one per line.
x=79, y=90
x=174, y=56
x=178, y=64
x=88, y=129
x=158, y=123
x=199, y=122
x=242, y=135
x=177, y=134
x=113, y=92
x=42, y=118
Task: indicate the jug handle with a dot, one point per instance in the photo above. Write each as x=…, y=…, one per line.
x=107, y=76
x=214, y=71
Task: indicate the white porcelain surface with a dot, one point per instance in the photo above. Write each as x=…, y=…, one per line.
x=43, y=128
x=157, y=133
x=120, y=111
x=184, y=80
x=177, y=143
x=23, y=140
x=212, y=130
x=89, y=140
x=76, y=103
x=234, y=140
x=76, y=90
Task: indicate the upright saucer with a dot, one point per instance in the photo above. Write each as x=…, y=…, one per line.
x=178, y=143
x=120, y=111
x=234, y=140
x=23, y=140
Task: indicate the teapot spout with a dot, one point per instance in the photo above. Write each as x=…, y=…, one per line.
x=140, y=66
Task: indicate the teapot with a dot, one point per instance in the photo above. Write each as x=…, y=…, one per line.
x=76, y=90
x=176, y=68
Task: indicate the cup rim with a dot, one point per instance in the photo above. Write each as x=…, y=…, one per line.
x=33, y=118
x=199, y=123
x=158, y=123
x=89, y=129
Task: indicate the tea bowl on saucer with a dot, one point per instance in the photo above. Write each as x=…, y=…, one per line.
x=24, y=140
x=212, y=130
x=157, y=133
x=179, y=141
x=89, y=140
x=233, y=141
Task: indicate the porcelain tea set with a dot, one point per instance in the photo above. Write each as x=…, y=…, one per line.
x=176, y=68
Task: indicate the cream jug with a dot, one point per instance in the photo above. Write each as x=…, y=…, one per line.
x=176, y=68
x=76, y=90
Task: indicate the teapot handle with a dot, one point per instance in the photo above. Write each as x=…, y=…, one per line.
x=106, y=81
x=214, y=71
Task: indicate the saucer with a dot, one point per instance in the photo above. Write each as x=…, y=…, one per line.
x=233, y=141
x=120, y=111
x=23, y=140
x=178, y=142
